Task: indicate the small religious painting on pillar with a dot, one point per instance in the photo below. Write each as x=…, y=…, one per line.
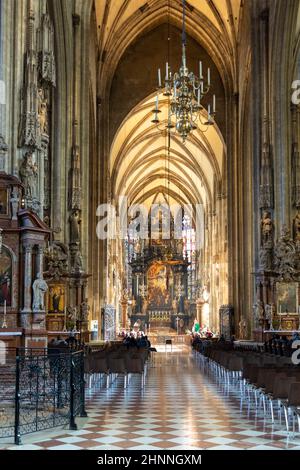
x=56, y=298
x=3, y=202
x=5, y=277
x=287, y=298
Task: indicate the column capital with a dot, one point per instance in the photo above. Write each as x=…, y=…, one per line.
x=27, y=247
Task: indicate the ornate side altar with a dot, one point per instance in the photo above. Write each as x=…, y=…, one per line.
x=277, y=283
x=22, y=287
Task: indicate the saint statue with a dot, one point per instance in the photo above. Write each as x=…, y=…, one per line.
x=75, y=222
x=242, y=328
x=43, y=112
x=266, y=228
x=84, y=310
x=297, y=227
x=39, y=288
x=78, y=263
x=29, y=174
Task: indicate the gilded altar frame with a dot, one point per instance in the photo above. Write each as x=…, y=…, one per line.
x=287, y=298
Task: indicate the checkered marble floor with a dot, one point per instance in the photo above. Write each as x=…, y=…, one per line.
x=181, y=408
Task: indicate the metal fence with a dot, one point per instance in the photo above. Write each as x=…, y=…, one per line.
x=40, y=390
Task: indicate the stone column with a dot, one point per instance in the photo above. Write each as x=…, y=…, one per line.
x=40, y=260
x=27, y=278
x=25, y=319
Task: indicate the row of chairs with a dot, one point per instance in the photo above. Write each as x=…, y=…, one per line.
x=264, y=380
x=113, y=363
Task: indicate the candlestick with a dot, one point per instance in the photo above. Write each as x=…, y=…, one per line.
x=200, y=70
x=4, y=324
x=65, y=319
x=75, y=317
x=159, y=78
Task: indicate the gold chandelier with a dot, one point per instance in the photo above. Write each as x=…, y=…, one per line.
x=185, y=92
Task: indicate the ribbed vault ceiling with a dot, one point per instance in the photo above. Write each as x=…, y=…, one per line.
x=142, y=170
x=215, y=24
x=223, y=14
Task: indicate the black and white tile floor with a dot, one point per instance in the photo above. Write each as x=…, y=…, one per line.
x=181, y=408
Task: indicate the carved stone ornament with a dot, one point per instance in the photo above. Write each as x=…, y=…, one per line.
x=75, y=192
x=56, y=258
x=3, y=152
x=286, y=256
x=266, y=259
x=47, y=68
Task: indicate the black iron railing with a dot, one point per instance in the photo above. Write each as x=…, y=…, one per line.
x=39, y=390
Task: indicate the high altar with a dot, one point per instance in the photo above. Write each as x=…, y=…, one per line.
x=159, y=288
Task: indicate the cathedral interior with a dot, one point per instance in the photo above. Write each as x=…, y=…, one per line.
x=149, y=172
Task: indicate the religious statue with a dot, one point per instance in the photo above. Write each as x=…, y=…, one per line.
x=267, y=229
x=39, y=288
x=180, y=247
x=75, y=222
x=242, y=328
x=258, y=310
x=297, y=227
x=43, y=112
x=78, y=263
x=205, y=294
x=145, y=307
x=138, y=246
x=84, y=310
x=29, y=174
x=286, y=257
x=270, y=311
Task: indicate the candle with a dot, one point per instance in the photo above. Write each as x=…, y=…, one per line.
x=208, y=76
x=198, y=96
x=202, y=88
x=159, y=78
x=4, y=307
x=156, y=104
x=200, y=70
x=214, y=104
x=209, y=112
x=167, y=71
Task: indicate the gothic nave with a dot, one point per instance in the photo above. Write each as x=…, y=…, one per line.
x=149, y=224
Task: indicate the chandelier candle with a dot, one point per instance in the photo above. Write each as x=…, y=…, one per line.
x=185, y=90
